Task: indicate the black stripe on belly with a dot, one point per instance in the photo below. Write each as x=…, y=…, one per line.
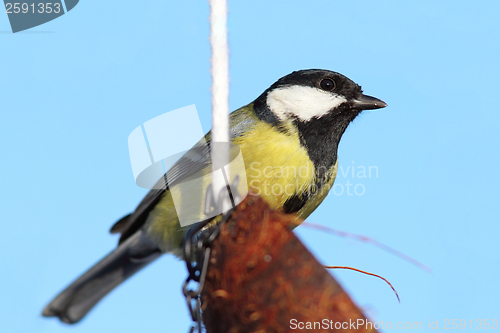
x=295, y=203
x=298, y=200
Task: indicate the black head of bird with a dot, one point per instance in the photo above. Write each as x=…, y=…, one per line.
x=319, y=104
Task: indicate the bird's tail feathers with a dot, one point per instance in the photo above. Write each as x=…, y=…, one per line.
x=73, y=303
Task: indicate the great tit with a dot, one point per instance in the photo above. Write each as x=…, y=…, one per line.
x=288, y=138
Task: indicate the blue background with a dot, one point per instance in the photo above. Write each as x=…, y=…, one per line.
x=72, y=90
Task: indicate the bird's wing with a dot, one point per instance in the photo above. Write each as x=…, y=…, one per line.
x=194, y=161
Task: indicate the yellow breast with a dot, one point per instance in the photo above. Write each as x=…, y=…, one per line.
x=277, y=167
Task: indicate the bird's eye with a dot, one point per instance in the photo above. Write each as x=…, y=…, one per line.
x=327, y=84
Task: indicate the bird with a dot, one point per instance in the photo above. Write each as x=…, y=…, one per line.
x=288, y=137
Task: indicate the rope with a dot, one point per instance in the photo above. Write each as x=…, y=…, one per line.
x=220, y=91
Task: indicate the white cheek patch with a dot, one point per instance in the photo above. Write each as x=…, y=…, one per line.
x=303, y=102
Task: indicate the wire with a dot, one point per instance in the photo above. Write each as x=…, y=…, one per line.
x=365, y=272
x=368, y=240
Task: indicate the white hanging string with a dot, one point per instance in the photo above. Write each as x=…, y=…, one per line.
x=220, y=90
